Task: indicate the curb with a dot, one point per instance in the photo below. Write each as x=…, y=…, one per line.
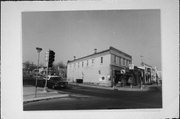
x=111, y=88
x=45, y=98
x=91, y=86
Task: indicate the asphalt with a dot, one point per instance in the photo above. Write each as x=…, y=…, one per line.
x=96, y=98
x=29, y=91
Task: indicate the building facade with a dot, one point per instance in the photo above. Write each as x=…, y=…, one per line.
x=102, y=68
x=150, y=74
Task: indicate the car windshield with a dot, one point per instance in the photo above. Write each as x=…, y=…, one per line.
x=55, y=78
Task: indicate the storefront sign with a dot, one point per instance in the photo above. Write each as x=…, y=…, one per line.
x=131, y=66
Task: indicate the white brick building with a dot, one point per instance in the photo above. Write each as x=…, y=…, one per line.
x=98, y=68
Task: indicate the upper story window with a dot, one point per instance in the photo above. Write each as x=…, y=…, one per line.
x=87, y=62
x=101, y=59
x=127, y=63
x=113, y=57
x=78, y=64
x=123, y=61
x=92, y=61
x=120, y=61
x=82, y=64
x=117, y=59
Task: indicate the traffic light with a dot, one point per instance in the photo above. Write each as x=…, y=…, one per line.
x=51, y=58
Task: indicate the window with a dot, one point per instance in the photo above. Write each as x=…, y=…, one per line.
x=87, y=62
x=74, y=65
x=127, y=62
x=92, y=61
x=101, y=59
x=78, y=64
x=82, y=64
x=117, y=59
x=120, y=61
x=113, y=58
x=123, y=61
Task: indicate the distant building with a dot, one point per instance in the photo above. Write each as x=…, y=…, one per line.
x=159, y=74
x=150, y=73
x=101, y=68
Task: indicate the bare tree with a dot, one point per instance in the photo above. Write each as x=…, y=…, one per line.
x=60, y=69
x=27, y=66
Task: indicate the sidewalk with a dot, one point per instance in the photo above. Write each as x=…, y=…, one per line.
x=29, y=94
x=126, y=88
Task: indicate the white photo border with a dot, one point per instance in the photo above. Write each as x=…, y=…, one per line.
x=11, y=58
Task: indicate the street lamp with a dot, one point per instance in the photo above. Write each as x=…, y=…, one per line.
x=38, y=51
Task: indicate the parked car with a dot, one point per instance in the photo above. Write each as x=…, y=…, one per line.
x=56, y=82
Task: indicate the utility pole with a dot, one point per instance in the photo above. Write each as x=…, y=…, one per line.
x=142, y=63
x=38, y=51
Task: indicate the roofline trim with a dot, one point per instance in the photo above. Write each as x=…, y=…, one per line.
x=89, y=55
x=108, y=50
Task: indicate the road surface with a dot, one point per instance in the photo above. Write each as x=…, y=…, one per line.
x=82, y=98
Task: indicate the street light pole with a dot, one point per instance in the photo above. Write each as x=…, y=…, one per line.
x=38, y=51
x=47, y=61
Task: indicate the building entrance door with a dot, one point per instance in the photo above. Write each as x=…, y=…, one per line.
x=117, y=76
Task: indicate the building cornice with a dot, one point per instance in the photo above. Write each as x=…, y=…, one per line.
x=99, y=53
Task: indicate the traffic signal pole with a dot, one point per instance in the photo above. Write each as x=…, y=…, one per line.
x=50, y=55
x=45, y=86
x=47, y=62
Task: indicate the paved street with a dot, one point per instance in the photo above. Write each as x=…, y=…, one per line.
x=92, y=98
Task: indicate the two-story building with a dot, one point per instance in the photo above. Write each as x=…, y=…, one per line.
x=101, y=68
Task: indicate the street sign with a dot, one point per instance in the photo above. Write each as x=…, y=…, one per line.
x=123, y=71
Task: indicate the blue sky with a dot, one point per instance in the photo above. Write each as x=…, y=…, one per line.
x=78, y=33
